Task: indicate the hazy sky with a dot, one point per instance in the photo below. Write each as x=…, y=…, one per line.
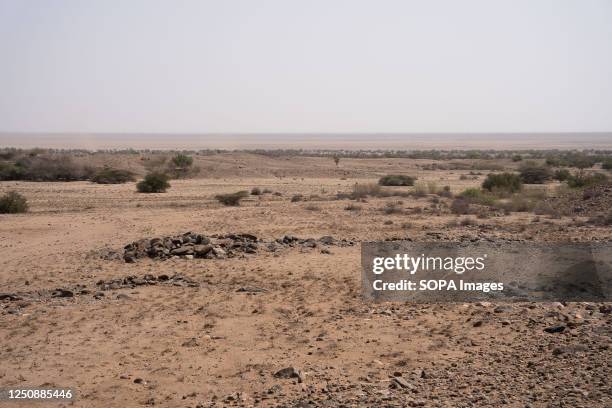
x=305, y=66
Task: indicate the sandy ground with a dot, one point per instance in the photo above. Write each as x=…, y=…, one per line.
x=220, y=343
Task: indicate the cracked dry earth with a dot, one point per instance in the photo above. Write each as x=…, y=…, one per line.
x=272, y=328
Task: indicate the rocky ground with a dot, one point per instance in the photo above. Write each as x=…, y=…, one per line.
x=262, y=306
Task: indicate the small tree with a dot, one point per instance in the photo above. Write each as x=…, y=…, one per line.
x=13, y=203
x=153, y=183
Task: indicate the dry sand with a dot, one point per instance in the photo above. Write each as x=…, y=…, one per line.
x=175, y=346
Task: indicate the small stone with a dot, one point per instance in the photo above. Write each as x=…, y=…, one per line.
x=61, y=293
x=555, y=329
x=190, y=343
x=502, y=309
x=289, y=372
x=402, y=383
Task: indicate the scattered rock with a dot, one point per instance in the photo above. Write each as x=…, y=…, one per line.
x=401, y=383
x=289, y=372
x=555, y=329
x=191, y=245
x=62, y=293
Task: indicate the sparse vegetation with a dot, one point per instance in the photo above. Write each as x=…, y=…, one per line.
x=445, y=192
x=256, y=191
x=13, y=203
x=393, y=208
x=154, y=183
x=420, y=189
x=231, y=199
x=297, y=197
x=478, y=196
x=460, y=205
x=583, y=179
x=396, y=180
x=364, y=190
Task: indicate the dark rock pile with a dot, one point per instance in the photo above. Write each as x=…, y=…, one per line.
x=191, y=245
x=133, y=281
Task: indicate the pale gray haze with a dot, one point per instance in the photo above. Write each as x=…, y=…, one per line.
x=285, y=66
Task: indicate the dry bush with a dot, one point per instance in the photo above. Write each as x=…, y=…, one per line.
x=533, y=173
x=468, y=221
x=420, y=189
x=432, y=187
x=312, y=207
x=297, y=197
x=460, y=205
x=603, y=220
x=544, y=208
x=352, y=207
x=255, y=191
x=365, y=190
x=13, y=203
x=396, y=180
x=231, y=199
x=52, y=168
x=393, y=208
x=445, y=192
x=109, y=175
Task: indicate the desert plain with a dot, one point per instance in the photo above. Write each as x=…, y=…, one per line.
x=284, y=324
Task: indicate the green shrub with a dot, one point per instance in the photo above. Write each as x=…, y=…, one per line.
x=396, y=180
x=153, y=183
x=562, y=174
x=504, y=182
x=517, y=158
x=607, y=164
x=232, y=199
x=9, y=171
x=112, y=176
x=477, y=196
x=13, y=203
x=582, y=179
x=533, y=173
x=182, y=161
